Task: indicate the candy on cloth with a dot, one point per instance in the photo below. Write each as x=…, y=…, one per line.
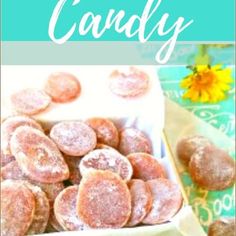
x=105, y=130
x=106, y=159
x=104, y=200
x=133, y=140
x=187, y=146
x=38, y=156
x=62, y=87
x=133, y=84
x=141, y=200
x=146, y=166
x=17, y=208
x=167, y=200
x=30, y=101
x=65, y=209
x=212, y=168
x=74, y=138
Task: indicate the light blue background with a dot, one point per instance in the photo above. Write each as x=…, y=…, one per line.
x=27, y=20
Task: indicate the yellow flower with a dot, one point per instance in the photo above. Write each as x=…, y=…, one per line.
x=207, y=84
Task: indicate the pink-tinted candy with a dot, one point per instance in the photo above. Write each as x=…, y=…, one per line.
x=30, y=101
x=104, y=200
x=9, y=126
x=167, y=200
x=74, y=138
x=105, y=159
x=65, y=210
x=187, y=146
x=106, y=131
x=141, y=200
x=133, y=140
x=17, y=208
x=62, y=87
x=212, y=168
x=37, y=156
x=146, y=166
x=42, y=209
x=132, y=84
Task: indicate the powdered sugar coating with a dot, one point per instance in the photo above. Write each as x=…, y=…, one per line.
x=146, y=166
x=37, y=156
x=104, y=200
x=6, y=159
x=42, y=209
x=132, y=84
x=65, y=210
x=167, y=200
x=106, y=159
x=51, y=190
x=30, y=101
x=74, y=138
x=187, y=146
x=13, y=171
x=17, y=208
x=141, y=200
x=133, y=140
x=62, y=87
x=222, y=227
x=105, y=130
x=10, y=125
x=212, y=168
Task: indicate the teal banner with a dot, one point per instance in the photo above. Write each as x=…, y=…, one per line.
x=117, y=20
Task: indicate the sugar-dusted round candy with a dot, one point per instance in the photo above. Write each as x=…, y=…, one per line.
x=62, y=87
x=10, y=125
x=167, y=200
x=212, y=168
x=146, y=166
x=133, y=84
x=65, y=210
x=105, y=159
x=17, y=208
x=13, y=171
x=141, y=200
x=133, y=140
x=74, y=138
x=6, y=159
x=187, y=146
x=51, y=190
x=73, y=164
x=222, y=227
x=105, y=130
x=30, y=101
x=42, y=209
x=38, y=156
x=104, y=200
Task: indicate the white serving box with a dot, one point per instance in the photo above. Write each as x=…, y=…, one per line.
x=145, y=113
